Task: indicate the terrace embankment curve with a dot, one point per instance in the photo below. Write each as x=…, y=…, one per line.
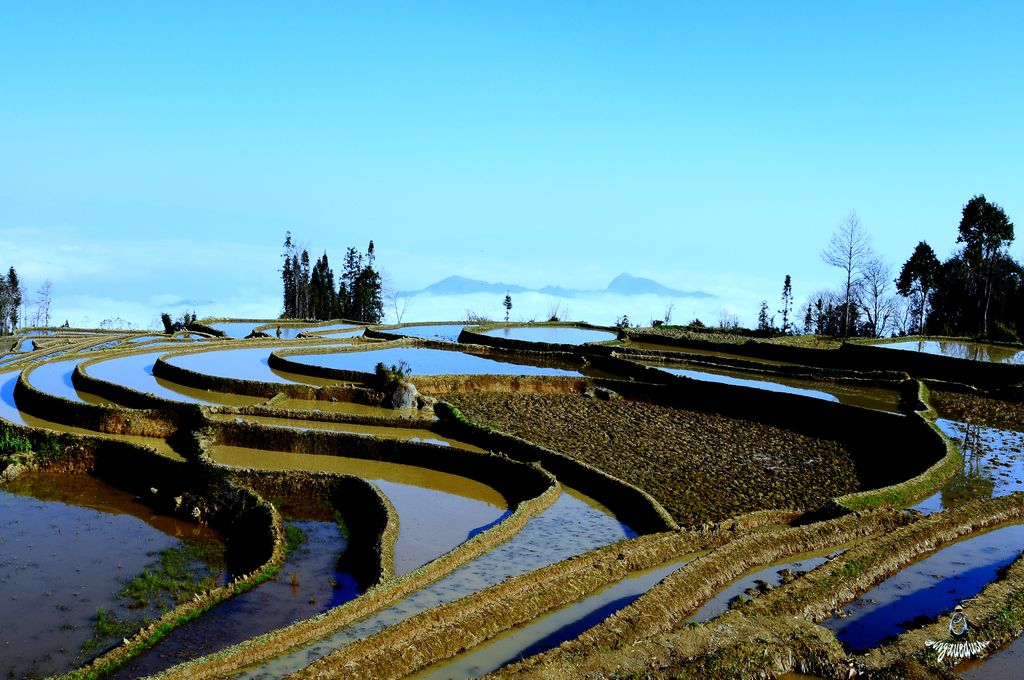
x=774, y=633
x=452, y=628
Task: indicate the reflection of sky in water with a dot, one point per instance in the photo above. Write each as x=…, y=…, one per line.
x=236, y=329
x=8, y=409
x=136, y=372
x=561, y=336
x=446, y=332
x=570, y=527
x=55, y=378
x=928, y=588
x=424, y=361
x=853, y=395
x=237, y=363
x=748, y=382
x=993, y=465
x=961, y=350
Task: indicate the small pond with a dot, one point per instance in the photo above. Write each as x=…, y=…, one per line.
x=70, y=545
x=930, y=587
x=425, y=361
x=561, y=335
x=960, y=349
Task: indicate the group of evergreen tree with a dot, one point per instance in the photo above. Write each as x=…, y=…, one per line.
x=979, y=290
x=11, y=297
x=310, y=293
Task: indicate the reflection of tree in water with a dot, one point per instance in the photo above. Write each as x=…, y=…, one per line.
x=973, y=482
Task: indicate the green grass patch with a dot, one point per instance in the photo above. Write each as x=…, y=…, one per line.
x=293, y=537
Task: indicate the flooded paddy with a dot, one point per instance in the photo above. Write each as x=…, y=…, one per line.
x=927, y=588
x=993, y=465
x=960, y=349
x=408, y=434
x=863, y=396
x=990, y=433
x=55, y=378
x=135, y=371
x=424, y=361
x=308, y=584
x=60, y=568
x=550, y=630
x=559, y=335
x=444, y=332
x=437, y=510
x=573, y=525
x=237, y=329
x=241, y=364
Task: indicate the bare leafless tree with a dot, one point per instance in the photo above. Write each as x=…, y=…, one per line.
x=849, y=249
x=393, y=297
x=43, y=301
x=878, y=299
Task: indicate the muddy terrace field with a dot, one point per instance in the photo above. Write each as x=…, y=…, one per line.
x=701, y=467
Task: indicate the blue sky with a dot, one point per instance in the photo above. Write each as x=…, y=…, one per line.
x=155, y=153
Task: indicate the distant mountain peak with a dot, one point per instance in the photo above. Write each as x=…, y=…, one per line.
x=623, y=284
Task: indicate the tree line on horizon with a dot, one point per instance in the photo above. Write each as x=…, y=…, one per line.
x=309, y=290
x=978, y=291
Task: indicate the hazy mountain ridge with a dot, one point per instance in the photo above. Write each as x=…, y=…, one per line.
x=623, y=284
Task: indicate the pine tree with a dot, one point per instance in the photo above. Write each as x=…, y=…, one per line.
x=787, y=305
x=507, y=304
x=763, y=324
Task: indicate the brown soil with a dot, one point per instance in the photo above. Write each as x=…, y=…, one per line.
x=701, y=467
x=978, y=410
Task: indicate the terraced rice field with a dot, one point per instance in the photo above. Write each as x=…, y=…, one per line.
x=561, y=514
